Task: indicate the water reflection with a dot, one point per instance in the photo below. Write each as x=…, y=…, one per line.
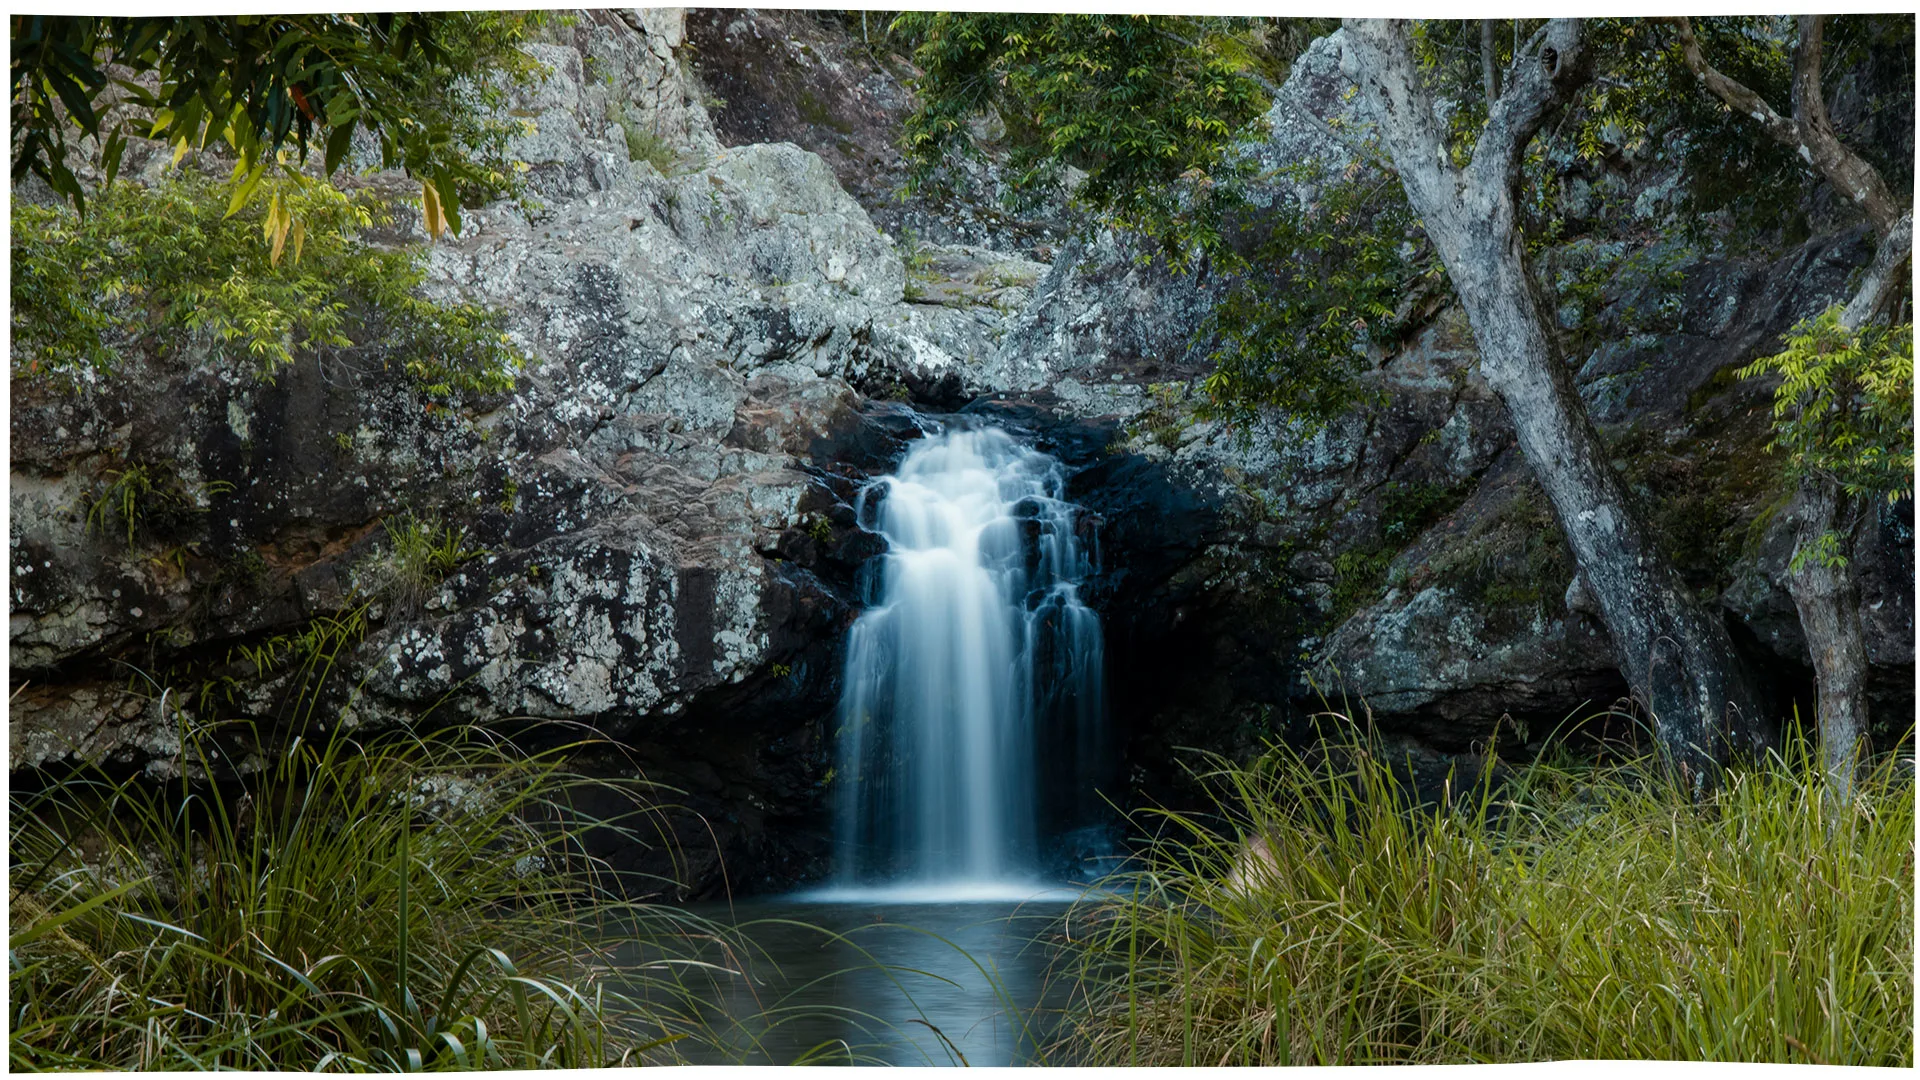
x=879, y=982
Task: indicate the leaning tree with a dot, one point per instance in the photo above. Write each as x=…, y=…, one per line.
x=1670, y=647
x=1844, y=408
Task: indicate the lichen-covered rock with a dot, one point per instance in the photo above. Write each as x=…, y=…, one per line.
x=650, y=531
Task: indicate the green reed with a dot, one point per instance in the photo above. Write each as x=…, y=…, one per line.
x=1323, y=914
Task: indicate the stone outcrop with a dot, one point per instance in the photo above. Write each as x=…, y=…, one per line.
x=656, y=518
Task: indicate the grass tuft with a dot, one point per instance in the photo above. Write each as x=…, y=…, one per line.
x=420, y=554
x=391, y=901
x=1326, y=916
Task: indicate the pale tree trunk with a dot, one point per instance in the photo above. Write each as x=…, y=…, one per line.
x=1673, y=651
x=1827, y=597
x=1828, y=600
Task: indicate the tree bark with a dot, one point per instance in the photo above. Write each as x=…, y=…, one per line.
x=1489, y=63
x=1827, y=597
x=1675, y=653
x=1828, y=600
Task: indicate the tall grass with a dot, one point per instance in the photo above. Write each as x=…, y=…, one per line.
x=1569, y=913
x=393, y=901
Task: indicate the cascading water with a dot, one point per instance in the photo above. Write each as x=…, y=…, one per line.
x=975, y=657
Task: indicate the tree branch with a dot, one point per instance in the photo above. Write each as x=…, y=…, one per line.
x=1557, y=63
x=1737, y=96
x=1489, y=63
x=1808, y=132
x=1809, y=104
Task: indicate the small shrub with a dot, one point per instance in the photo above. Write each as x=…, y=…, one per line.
x=646, y=145
x=1167, y=416
x=167, y=269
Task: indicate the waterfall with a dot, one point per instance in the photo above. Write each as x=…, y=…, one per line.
x=975, y=657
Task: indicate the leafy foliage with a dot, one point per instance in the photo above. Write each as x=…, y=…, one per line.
x=1145, y=105
x=1844, y=408
x=1308, y=288
x=259, y=83
x=167, y=269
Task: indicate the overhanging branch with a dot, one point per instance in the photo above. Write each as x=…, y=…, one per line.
x=1808, y=133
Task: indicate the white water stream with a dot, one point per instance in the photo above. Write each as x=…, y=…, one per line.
x=976, y=658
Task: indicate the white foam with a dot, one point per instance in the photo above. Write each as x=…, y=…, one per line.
x=943, y=892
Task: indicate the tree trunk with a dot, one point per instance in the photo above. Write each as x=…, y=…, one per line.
x=1828, y=596
x=1489, y=63
x=1828, y=599
x=1676, y=653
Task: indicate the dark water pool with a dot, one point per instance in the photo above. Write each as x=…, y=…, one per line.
x=900, y=979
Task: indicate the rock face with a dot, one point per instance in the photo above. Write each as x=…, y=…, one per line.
x=1401, y=563
x=653, y=537
x=834, y=83
x=654, y=523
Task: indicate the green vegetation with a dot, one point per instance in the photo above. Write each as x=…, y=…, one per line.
x=420, y=554
x=918, y=262
x=362, y=902
x=1139, y=103
x=136, y=498
x=1844, y=407
x=167, y=269
x=1566, y=912
x=1710, y=498
x=1166, y=417
x=646, y=145
x=262, y=84
x=1407, y=508
x=313, y=650
x=1307, y=289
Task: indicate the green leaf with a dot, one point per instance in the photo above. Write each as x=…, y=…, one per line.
x=54, y=920
x=339, y=144
x=110, y=155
